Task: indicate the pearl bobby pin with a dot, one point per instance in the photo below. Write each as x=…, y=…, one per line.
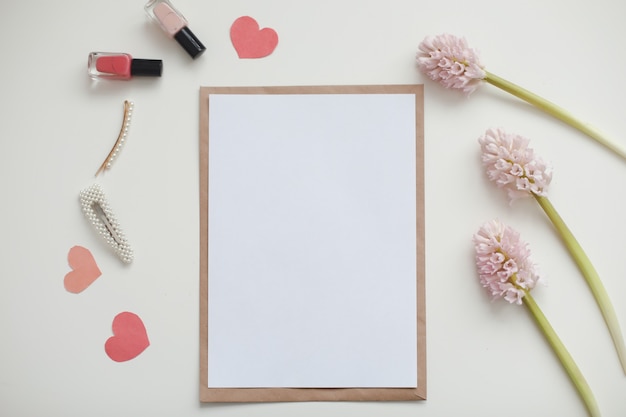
x=101, y=217
x=121, y=138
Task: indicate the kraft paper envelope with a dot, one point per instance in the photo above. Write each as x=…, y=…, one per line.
x=312, y=244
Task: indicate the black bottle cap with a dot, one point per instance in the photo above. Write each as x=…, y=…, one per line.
x=189, y=42
x=146, y=67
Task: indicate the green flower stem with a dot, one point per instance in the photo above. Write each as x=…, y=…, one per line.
x=561, y=352
x=590, y=275
x=553, y=110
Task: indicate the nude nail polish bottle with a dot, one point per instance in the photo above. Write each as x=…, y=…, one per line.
x=174, y=24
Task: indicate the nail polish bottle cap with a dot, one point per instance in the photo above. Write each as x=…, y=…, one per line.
x=146, y=67
x=189, y=42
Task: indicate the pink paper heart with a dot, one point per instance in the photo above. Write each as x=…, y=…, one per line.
x=84, y=270
x=250, y=41
x=129, y=337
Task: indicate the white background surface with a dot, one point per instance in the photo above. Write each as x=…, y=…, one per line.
x=484, y=359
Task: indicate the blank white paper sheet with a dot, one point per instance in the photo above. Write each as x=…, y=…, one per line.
x=312, y=240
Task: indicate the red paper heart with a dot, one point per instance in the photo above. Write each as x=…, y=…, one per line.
x=249, y=41
x=84, y=270
x=129, y=337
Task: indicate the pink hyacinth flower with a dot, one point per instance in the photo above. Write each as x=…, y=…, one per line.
x=512, y=165
x=505, y=269
x=449, y=60
x=503, y=262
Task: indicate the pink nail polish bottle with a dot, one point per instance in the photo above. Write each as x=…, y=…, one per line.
x=174, y=25
x=120, y=66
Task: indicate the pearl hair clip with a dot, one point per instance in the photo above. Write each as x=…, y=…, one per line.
x=97, y=211
x=121, y=138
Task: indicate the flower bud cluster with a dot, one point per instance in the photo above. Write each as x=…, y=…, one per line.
x=449, y=60
x=512, y=165
x=503, y=262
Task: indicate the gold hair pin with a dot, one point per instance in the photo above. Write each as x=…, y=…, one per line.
x=121, y=138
